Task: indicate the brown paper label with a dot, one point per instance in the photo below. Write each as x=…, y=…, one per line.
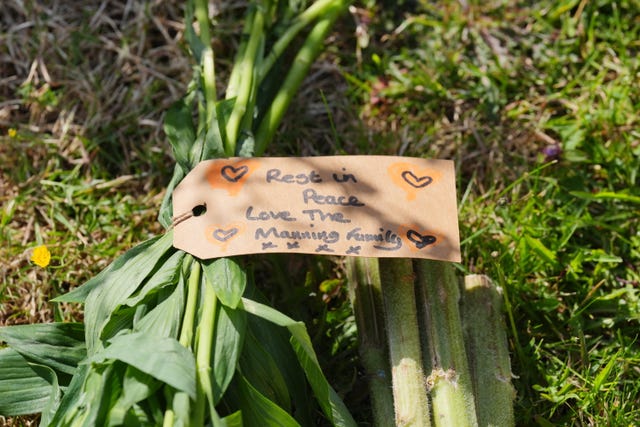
x=375, y=206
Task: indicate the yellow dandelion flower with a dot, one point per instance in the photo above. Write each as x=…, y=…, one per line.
x=12, y=133
x=41, y=256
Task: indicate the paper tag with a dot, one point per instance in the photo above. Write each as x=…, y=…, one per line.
x=374, y=206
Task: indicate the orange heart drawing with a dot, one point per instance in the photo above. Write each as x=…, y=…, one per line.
x=231, y=174
x=222, y=235
x=411, y=178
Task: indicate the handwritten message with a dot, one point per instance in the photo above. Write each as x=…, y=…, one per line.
x=378, y=206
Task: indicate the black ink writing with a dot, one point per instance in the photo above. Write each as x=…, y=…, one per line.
x=355, y=250
x=345, y=177
x=317, y=213
x=268, y=245
x=324, y=248
x=275, y=175
x=293, y=245
x=323, y=236
x=386, y=240
x=311, y=195
x=267, y=215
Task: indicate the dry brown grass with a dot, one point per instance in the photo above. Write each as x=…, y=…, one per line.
x=85, y=85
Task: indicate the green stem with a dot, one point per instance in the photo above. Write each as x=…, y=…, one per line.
x=188, y=319
x=312, y=47
x=193, y=288
x=169, y=418
x=209, y=77
x=204, y=347
x=488, y=352
x=319, y=8
x=408, y=381
x=246, y=70
x=202, y=15
x=449, y=380
x=365, y=292
x=236, y=76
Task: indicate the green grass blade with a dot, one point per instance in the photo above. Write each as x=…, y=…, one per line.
x=541, y=250
x=162, y=358
x=607, y=195
x=22, y=389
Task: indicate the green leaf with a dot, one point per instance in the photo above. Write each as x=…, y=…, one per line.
x=233, y=420
x=165, y=216
x=331, y=404
x=59, y=346
x=195, y=44
x=162, y=358
x=56, y=393
x=136, y=386
x=72, y=396
x=22, y=389
x=256, y=409
x=260, y=369
x=90, y=395
x=231, y=325
x=208, y=145
x=164, y=320
x=178, y=125
x=121, y=266
x=247, y=145
x=166, y=275
x=275, y=340
x=228, y=278
x=115, y=287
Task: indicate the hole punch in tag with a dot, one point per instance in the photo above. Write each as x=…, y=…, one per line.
x=376, y=206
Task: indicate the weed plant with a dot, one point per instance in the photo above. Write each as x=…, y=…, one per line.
x=537, y=102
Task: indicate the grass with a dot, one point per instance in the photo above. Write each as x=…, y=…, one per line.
x=536, y=101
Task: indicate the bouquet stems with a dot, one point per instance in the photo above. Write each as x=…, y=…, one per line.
x=488, y=352
x=408, y=380
x=365, y=293
x=449, y=379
